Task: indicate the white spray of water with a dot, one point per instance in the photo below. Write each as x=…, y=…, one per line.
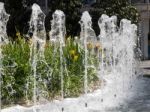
x=117, y=65
x=58, y=29
x=3, y=39
x=38, y=42
x=118, y=46
x=57, y=37
x=3, y=23
x=87, y=36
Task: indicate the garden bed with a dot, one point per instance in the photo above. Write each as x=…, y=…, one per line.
x=18, y=78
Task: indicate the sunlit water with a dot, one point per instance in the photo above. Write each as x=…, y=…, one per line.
x=37, y=47
x=120, y=87
x=138, y=100
x=57, y=38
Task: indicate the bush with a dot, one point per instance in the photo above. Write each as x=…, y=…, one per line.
x=120, y=8
x=18, y=78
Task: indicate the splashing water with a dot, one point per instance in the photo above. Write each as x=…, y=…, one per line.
x=38, y=29
x=87, y=36
x=3, y=38
x=117, y=65
x=87, y=33
x=57, y=36
x=3, y=23
x=58, y=29
x=38, y=42
x=118, y=47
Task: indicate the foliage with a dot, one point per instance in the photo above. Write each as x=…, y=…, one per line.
x=20, y=11
x=18, y=79
x=16, y=70
x=120, y=8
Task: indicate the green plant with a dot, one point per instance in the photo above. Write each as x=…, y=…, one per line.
x=16, y=70
x=18, y=78
x=120, y=8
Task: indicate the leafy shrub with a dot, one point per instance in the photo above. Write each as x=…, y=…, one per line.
x=18, y=79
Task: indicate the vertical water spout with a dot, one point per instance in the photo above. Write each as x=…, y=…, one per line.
x=3, y=40
x=3, y=23
x=108, y=37
x=102, y=36
x=87, y=36
x=118, y=45
x=58, y=29
x=57, y=37
x=38, y=42
x=128, y=32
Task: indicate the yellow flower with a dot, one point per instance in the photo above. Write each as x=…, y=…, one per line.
x=75, y=58
x=72, y=52
x=89, y=45
x=18, y=34
x=30, y=41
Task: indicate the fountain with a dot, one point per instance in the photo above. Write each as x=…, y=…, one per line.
x=57, y=36
x=3, y=23
x=58, y=30
x=118, y=47
x=116, y=65
x=3, y=39
x=87, y=37
x=38, y=43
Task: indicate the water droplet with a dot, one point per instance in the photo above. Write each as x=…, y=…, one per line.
x=62, y=109
x=86, y=105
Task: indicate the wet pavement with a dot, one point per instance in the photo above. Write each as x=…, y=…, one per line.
x=137, y=99
x=140, y=102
